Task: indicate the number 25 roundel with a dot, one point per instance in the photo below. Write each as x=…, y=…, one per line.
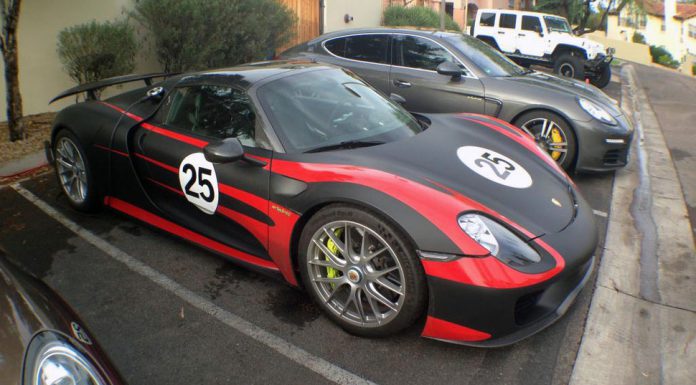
x=199, y=182
x=495, y=167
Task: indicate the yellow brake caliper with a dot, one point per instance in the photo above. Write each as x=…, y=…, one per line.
x=330, y=271
x=555, y=138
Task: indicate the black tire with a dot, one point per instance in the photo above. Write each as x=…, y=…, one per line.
x=528, y=122
x=91, y=201
x=603, y=79
x=569, y=65
x=414, y=285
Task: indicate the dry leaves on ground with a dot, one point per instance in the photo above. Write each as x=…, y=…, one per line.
x=38, y=130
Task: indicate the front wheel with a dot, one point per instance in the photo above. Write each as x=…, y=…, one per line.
x=361, y=271
x=74, y=172
x=602, y=80
x=552, y=133
x=569, y=66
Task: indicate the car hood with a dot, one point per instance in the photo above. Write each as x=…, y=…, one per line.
x=555, y=85
x=444, y=157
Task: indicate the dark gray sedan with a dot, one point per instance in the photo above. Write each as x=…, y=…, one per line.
x=433, y=72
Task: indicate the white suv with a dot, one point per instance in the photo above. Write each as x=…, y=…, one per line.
x=542, y=39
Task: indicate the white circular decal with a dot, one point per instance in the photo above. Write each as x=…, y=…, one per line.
x=199, y=183
x=494, y=166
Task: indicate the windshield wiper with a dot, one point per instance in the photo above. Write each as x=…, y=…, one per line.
x=345, y=145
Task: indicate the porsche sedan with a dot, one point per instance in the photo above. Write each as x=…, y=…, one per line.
x=580, y=127
x=304, y=171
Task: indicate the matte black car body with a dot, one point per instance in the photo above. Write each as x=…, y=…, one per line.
x=600, y=146
x=271, y=193
x=33, y=314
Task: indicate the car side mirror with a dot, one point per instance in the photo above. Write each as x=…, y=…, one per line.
x=449, y=69
x=225, y=151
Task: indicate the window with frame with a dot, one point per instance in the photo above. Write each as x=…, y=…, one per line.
x=213, y=111
x=369, y=48
x=692, y=31
x=508, y=20
x=420, y=53
x=531, y=23
x=487, y=19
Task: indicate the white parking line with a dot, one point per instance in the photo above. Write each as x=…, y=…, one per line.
x=600, y=213
x=310, y=361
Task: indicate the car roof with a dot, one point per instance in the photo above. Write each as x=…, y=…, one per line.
x=518, y=12
x=362, y=31
x=247, y=75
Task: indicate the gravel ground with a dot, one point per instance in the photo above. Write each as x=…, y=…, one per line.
x=38, y=130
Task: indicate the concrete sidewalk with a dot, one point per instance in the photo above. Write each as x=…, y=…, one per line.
x=23, y=165
x=642, y=322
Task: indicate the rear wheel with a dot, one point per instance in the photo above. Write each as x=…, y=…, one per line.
x=552, y=133
x=570, y=66
x=74, y=172
x=603, y=78
x=361, y=271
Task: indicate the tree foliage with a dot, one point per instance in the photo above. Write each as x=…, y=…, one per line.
x=587, y=15
x=94, y=51
x=396, y=15
x=199, y=34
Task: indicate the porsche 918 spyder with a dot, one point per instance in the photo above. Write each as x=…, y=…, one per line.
x=303, y=171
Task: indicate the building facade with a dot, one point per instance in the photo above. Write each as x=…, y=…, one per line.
x=669, y=24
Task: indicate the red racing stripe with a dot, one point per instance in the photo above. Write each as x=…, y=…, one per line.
x=481, y=271
x=187, y=234
x=257, y=228
x=99, y=146
x=280, y=238
x=158, y=163
x=449, y=331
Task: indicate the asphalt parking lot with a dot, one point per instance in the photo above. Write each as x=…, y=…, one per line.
x=183, y=334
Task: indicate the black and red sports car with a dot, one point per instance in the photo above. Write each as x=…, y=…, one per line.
x=304, y=171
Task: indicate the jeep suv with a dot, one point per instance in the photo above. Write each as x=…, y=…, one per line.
x=547, y=40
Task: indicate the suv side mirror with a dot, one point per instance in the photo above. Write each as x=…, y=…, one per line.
x=449, y=69
x=225, y=151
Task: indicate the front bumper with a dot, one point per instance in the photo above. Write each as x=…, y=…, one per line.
x=487, y=316
x=602, y=147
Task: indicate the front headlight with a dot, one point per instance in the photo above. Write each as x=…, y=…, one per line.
x=596, y=111
x=498, y=240
x=57, y=362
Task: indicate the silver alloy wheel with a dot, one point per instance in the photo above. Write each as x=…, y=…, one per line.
x=71, y=170
x=567, y=69
x=549, y=136
x=356, y=273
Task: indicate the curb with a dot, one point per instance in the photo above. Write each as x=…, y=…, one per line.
x=641, y=324
x=23, y=165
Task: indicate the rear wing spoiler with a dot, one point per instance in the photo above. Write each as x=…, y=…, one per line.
x=90, y=88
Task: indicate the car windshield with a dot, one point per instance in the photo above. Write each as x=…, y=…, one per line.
x=557, y=24
x=487, y=59
x=322, y=109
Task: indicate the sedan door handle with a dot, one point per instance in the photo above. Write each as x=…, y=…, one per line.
x=402, y=84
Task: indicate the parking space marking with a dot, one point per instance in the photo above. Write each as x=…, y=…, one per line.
x=300, y=356
x=600, y=213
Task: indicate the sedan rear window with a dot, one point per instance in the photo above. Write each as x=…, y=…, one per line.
x=368, y=48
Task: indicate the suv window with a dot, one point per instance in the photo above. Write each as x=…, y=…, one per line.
x=214, y=111
x=487, y=19
x=531, y=23
x=417, y=52
x=369, y=48
x=508, y=20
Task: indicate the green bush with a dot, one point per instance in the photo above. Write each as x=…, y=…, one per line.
x=661, y=56
x=199, y=34
x=416, y=17
x=638, y=38
x=94, y=51
x=693, y=69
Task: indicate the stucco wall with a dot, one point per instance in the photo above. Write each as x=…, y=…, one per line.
x=625, y=50
x=41, y=74
x=365, y=13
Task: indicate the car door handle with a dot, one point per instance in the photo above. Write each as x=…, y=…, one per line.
x=501, y=32
x=402, y=84
x=521, y=34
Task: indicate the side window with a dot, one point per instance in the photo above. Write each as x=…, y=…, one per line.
x=336, y=46
x=369, y=48
x=487, y=19
x=508, y=20
x=416, y=52
x=531, y=23
x=214, y=111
